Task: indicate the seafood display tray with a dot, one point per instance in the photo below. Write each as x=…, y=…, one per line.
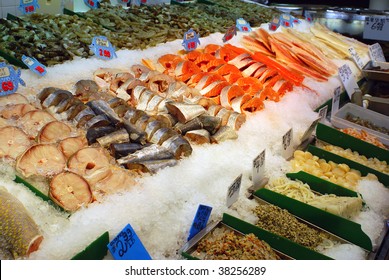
x=285, y=248
x=339, y=120
x=370, y=73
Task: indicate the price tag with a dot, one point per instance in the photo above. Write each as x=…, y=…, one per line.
x=233, y=191
x=93, y=4
x=323, y=112
x=287, y=148
x=34, y=65
x=9, y=79
x=243, y=25
x=376, y=28
x=348, y=80
x=191, y=40
x=102, y=48
x=335, y=102
x=274, y=24
x=288, y=20
x=231, y=32
x=28, y=6
x=376, y=53
x=308, y=16
x=200, y=220
x=356, y=57
x=259, y=168
x=127, y=246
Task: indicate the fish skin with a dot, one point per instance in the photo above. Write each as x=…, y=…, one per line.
x=99, y=120
x=119, y=150
x=161, y=135
x=223, y=134
x=96, y=132
x=118, y=136
x=102, y=107
x=19, y=234
x=198, y=136
x=56, y=97
x=193, y=124
x=44, y=93
x=74, y=110
x=210, y=123
x=135, y=134
x=152, y=152
x=179, y=146
x=152, y=166
x=84, y=116
x=184, y=112
x=84, y=89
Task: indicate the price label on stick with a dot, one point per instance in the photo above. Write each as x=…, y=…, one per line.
x=323, y=112
x=28, y=6
x=243, y=25
x=259, y=168
x=376, y=53
x=191, y=40
x=335, y=102
x=93, y=4
x=200, y=220
x=233, y=191
x=9, y=79
x=287, y=148
x=356, y=57
x=376, y=28
x=34, y=65
x=127, y=246
x=348, y=80
x=102, y=48
x=231, y=32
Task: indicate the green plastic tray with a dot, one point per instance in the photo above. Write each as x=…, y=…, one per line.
x=97, y=250
x=383, y=178
x=334, y=224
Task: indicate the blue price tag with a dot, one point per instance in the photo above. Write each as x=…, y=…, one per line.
x=9, y=79
x=127, y=246
x=102, y=48
x=288, y=20
x=243, y=25
x=28, y=6
x=123, y=1
x=274, y=24
x=34, y=65
x=93, y=4
x=308, y=16
x=200, y=220
x=231, y=32
x=191, y=40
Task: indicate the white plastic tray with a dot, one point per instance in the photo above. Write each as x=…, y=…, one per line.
x=339, y=120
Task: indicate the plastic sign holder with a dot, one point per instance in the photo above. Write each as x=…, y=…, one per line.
x=28, y=6
x=102, y=48
x=93, y=4
x=243, y=25
x=127, y=246
x=233, y=191
x=9, y=79
x=376, y=28
x=231, y=32
x=191, y=40
x=200, y=220
x=34, y=65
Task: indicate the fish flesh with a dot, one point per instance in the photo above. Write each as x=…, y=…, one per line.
x=32, y=121
x=84, y=116
x=19, y=234
x=53, y=132
x=44, y=93
x=70, y=191
x=184, y=112
x=135, y=133
x=96, y=132
x=118, y=136
x=41, y=159
x=118, y=180
x=210, y=123
x=54, y=98
x=199, y=136
x=152, y=127
x=179, y=146
x=152, y=152
x=70, y=145
x=13, y=142
x=74, y=110
x=162, y=134
x=15, y=98
x=223, y=134
x=193, y=124
x=84, y=89
x=15, y=111
x=152, y=166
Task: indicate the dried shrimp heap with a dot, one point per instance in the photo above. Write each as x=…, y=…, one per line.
x=373, y=163
x=230, y=246
x=280, y=221
x=340, y=174
x=363, y=135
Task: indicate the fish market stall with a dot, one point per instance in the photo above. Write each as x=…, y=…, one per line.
x=145, y=137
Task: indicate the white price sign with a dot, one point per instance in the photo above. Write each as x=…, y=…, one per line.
x=287, y=148
x=376, y=53
x=348, y=80
x=356, y=57
x=376, y=28
x=233, y=191
x=323, y=112
x=335, y=102
x=259, y=168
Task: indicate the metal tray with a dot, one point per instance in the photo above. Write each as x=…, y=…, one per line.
x=376, y=74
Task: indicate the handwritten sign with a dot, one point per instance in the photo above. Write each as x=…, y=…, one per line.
x=323, y=113
x=243, y=25
x=34, y=65
x=200, y=220
x=348, y=80
x=9, y=79
x=127, y=246
x=274, y=24
x=335, y=102
x=259, y=168
x=233, y=191
x=376, y=53
x=28, y=6
x=102, y=48
x=93, y=4
x=287, y=148
x=231, y=32
x=191, y=40
x=376, y=28
x=357, y=59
